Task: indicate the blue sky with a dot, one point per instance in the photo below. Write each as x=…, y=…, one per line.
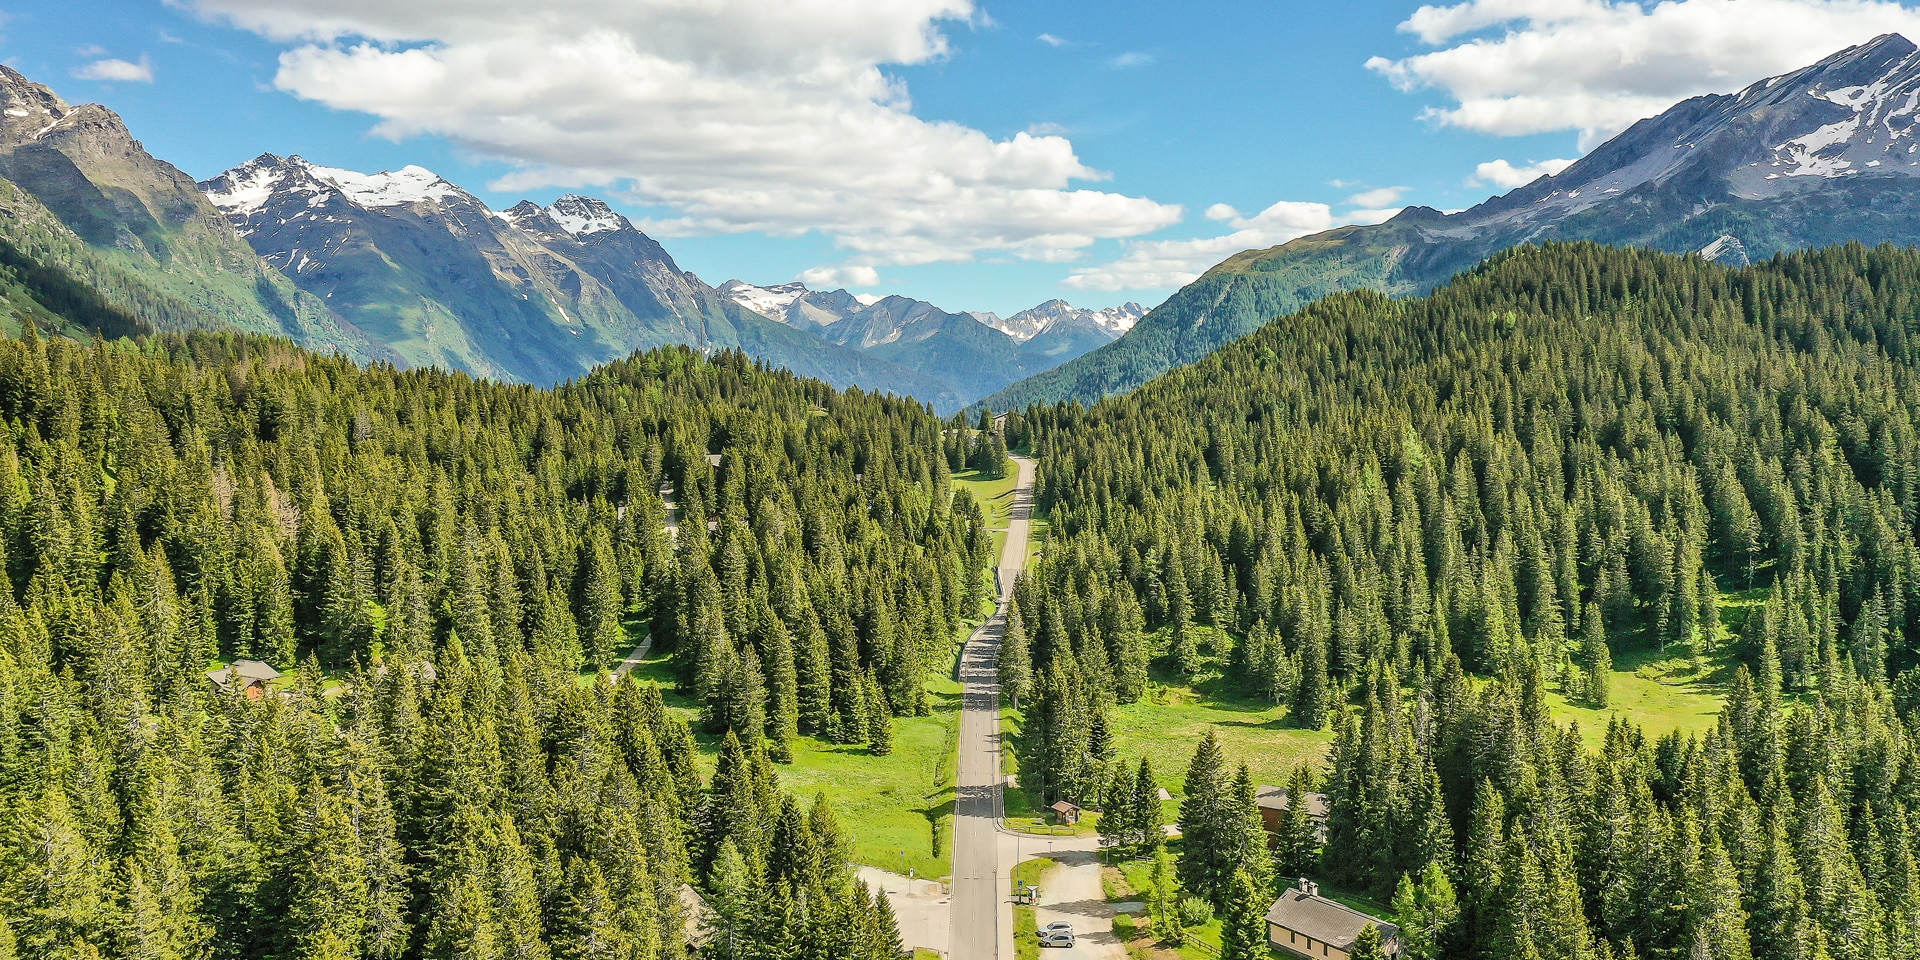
x=1105, y=142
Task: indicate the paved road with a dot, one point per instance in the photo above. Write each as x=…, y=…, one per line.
x=982, y=912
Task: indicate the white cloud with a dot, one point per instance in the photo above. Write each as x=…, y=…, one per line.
x=1132, y=58
x=117, y=71
x=1380, y=197
x=1377, y=215
x=1164, y=264
x=1221, y=211
x=821, y=278
x=1506, y=176
x=728, y=115
x=1597, y=66
x=1051, y=40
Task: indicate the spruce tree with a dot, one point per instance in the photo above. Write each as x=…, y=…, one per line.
x=1208, y=825
x=1367, y=945
x=1312, y=698
x=1243, y=920
x=879, y=721
x=1015, y=664
x=1596, y=660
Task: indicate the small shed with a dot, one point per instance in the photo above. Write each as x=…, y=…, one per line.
x=1305, y=924
x=1064, y=812
x=251, y=676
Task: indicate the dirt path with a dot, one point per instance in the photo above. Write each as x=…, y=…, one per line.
x=1072, y=892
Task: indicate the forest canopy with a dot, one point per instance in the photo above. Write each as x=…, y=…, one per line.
x=439, y=567
x=1410, y=520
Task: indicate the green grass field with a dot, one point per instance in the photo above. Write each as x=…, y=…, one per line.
x=995, y=496
x=897, y=809
x=1657, y=692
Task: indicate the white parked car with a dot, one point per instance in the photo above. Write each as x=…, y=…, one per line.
x=1056, y=934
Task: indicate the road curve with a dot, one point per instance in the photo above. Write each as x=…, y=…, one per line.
x=982, y=912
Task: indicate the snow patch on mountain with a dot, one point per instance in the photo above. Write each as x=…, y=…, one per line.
x=388, y=188
x=772, y=301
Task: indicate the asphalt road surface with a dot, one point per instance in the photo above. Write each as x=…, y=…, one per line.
x=982, y=912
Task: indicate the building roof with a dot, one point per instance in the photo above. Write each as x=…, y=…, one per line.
x=1062, y=806
x=1327, y=921
x=251, y=671
x=1275, y=798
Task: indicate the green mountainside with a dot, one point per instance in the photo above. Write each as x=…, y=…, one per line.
x=1727, y=175
x=82, y=199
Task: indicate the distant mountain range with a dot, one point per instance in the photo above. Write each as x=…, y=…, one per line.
x=1819, y=156
x=538, y=294
x=974, y=354
x=97, y=235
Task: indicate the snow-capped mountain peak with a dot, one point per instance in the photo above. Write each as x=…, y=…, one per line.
x=1034, y=321
x=585, y=216
x=248, y=188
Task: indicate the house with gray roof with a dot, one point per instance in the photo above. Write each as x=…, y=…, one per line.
x=252, y=676
x=1305, y=924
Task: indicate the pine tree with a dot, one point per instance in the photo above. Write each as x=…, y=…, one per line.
x=1312, y=698
x=1147, y=817
x=1208, y=825
x=1426, y=910
x=879, y=721
x=1015, y=666
x=1243, y=922
x=1366, y=946
x=1596, y=660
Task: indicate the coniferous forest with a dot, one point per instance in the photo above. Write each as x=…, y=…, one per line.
x=1409, y=521
x=444, y=568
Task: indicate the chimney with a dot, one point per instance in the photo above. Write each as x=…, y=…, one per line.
x=1303, y=885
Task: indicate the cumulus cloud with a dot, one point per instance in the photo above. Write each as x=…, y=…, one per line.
x=730, y=115
x=114, y=70
x=1379, y=197
x=823, y=278
x=1597, y=66
x=1506, y=176
x=1163, y=264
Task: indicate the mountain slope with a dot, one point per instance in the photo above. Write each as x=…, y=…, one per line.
x=539, y=294
x=1819, y=156
x=81, y=199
